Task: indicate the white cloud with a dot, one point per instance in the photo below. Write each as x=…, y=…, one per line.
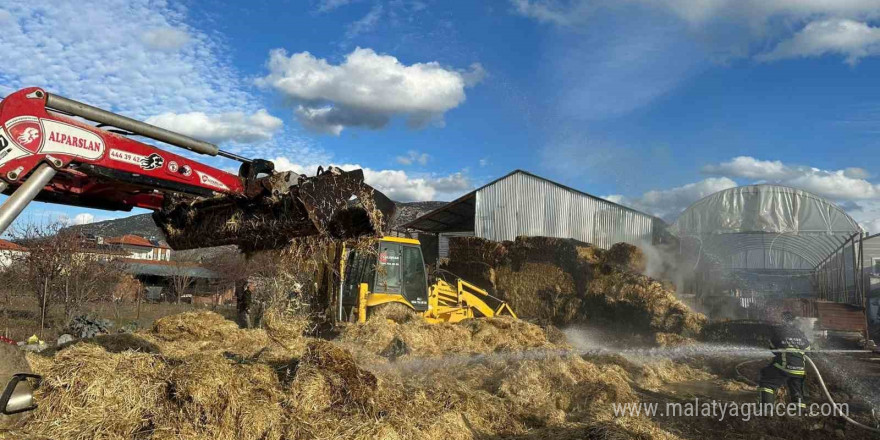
x=329, y=5
x=552, y=11
x=366, y=90
x=736, y=27
x=102, y=60
x=83, y=218
x=839, y=185
x=697, y=12
x=219, y=128
x=852, y=39
x=96, y=54
x=166, y=38
x=668, y=203
x=412, y=157
x=749, y=167
x=366, y=24
x=484, y=161
x=871, y=226
x=397, y=184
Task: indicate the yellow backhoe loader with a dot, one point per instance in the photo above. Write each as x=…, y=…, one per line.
x=393, y=275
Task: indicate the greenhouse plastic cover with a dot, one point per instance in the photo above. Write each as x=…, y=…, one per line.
x=766, y=227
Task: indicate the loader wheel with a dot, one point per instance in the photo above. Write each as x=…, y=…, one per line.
x=393, y=311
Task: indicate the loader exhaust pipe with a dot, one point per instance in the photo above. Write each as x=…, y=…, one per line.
x=91, y=113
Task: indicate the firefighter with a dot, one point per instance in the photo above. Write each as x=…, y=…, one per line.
x=788, y=366
x=243, y=301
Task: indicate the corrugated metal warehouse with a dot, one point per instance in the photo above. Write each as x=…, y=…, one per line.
x=522, y=203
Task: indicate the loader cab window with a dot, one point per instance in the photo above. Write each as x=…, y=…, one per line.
x=359, y=268
x=415, y=287
x=388, y=268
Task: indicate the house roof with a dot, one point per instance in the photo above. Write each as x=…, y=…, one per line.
x=6, y=245
x=103, y=250
x=458, y=215
x=135, y=240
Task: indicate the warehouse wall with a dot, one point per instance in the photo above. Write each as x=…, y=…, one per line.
x=525, y=205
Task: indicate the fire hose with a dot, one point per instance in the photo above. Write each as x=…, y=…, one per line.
x=821, y=382
x=828, y=396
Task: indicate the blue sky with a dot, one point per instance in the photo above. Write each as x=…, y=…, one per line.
x=653, y=104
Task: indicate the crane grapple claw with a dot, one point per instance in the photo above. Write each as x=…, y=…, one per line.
x=334, y=203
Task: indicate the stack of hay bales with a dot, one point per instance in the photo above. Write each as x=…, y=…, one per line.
x=563, y=282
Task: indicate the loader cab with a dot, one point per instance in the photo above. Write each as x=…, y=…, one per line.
x=394, y=270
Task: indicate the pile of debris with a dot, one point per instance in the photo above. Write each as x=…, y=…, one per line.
x=565, y=282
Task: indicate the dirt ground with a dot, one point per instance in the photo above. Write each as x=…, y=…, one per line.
x=21, y=319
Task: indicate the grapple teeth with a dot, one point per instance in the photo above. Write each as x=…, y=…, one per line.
x=334, y=203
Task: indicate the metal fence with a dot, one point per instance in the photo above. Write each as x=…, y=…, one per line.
x=840, y=277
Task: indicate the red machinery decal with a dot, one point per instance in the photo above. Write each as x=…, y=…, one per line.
x=26, y=132
x=9, y=150
x=69, y=139
x=209, y=180
x=151, y=162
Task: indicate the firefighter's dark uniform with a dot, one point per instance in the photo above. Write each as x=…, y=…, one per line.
x=788, y=344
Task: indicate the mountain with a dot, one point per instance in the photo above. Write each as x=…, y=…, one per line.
x=140, y=224
x=409, y=211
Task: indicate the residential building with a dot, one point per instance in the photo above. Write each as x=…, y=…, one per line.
x=138, y=247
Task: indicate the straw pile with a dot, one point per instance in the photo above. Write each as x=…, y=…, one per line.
x=565, y=282
x=747, y=332
x=494, y=378
x=485, y=378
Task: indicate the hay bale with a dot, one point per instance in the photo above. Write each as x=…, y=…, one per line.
x=370, y=341
x=569, y=385
x=287, y=331
x=626, y=257
x=89, y=393
x=622, y=299
x=194, y=327
x=505, y=334
x=189, y=333
x=345, y=383
x=539, y=291
x=215, y=396
x=652, y=375
x=745, y=332
x=672, y=340
x=564, y=282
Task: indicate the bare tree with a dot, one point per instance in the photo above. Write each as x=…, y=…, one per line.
x=8, y=292
x=87, y=279
x=181, y=278
x=51, y=251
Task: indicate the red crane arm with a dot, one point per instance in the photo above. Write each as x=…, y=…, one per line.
x=95, y=167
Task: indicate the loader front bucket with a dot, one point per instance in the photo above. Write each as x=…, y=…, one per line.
x=335, y=203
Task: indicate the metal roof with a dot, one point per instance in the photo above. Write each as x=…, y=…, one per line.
x=458, y=215
x=166, y=269
x=796, y=227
